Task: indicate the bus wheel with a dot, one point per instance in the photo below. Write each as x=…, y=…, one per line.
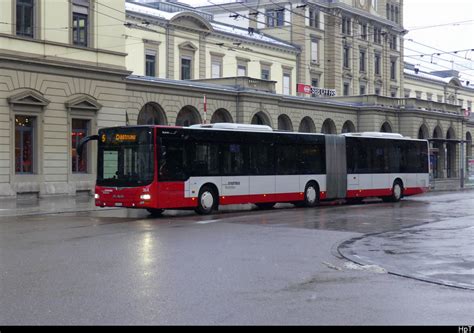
x=206, y=201
x=155, y=211
x=397, y=192
x=265, y=205
x=311, y=195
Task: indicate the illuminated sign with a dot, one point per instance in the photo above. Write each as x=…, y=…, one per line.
x=307, y=89
x=126, y=137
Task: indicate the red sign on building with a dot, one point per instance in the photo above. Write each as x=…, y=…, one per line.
x=310, y=90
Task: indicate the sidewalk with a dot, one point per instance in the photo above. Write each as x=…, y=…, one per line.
x=50, y=205
x=83, y=203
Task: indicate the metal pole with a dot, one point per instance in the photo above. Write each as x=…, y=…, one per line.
x=462, y=164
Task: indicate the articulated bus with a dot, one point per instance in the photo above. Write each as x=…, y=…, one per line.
x=204, y=166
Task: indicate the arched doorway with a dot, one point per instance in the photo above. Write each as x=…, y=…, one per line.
x=307, y=125
x=348, y=127
x=221, y=116
x=423, y=132
x=260, y=118
x=188, y=116
x=386, y=128
x=437, y=165
x=451, y=154
x=284, y=123
x=152, y=114
x=328, y=127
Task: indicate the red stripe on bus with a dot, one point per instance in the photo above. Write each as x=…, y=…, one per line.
x=384, y=192
x=171, y=195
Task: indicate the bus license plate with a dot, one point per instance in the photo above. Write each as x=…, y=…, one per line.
x=118, y=204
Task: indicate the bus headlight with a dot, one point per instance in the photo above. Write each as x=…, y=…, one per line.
x=96, y=196
x=145, y=197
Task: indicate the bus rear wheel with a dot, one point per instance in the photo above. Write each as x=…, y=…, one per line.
x=397, y=192
x=311, y=195
x=207, y=200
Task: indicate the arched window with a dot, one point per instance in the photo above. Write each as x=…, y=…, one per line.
x=284, y=123
x=152, y=114
x=188, y=116
x=260, y=118
x=348, y=127
x=386, y=128
x=307, y=125
x=221, y=116
x=328, y=127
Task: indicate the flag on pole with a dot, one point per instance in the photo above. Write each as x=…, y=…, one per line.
x=127, y=121
x=205, y=110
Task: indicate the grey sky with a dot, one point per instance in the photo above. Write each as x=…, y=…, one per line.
x=435, y=26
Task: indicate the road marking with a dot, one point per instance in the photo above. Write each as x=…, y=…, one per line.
x=208, y=221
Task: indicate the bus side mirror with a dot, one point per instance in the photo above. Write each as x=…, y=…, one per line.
x=85, y=140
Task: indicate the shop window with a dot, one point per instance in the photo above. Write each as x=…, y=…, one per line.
x=24, y=144
x=80, y=129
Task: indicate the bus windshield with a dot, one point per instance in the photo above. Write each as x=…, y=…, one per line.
x=125, y=157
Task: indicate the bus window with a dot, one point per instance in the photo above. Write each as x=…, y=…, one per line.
x=362, y=157
x=351, y=151
x=380, y=156
x=232, y=160
x=204, y=159
x=110, y=164
x=312, y=159
x=261, y=159
x=423, y=152
x=286, y=159
x=125, y=158
x=172, y=160
x=395, y=156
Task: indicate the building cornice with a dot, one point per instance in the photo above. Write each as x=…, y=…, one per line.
x=63, y=67
x=68, y=46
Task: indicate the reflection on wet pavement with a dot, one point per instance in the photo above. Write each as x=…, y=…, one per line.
x=435, y=252
x=402, y=237
x=438, y=252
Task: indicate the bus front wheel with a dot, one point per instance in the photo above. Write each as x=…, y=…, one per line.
x=207, y=200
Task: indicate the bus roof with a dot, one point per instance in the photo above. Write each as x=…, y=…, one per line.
x=268, y=129
x=377, y=135
x=235, y=126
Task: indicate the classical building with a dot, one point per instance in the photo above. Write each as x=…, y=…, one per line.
x=70, y=67
x=439, y=90
x=352, y=46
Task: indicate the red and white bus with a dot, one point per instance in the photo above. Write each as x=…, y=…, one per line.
x=204, y=166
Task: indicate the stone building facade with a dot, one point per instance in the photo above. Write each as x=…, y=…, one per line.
x=352, y=46
x=58, y=85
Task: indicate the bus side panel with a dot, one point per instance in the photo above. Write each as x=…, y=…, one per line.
x=235, y=189
x=173, y=195
x=352, y=185
x=365, y=182
x=287, y=184
x=382, y=181
x=423, y=180
x=264, y=185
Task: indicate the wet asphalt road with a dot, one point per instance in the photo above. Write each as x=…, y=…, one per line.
x=244, y=266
